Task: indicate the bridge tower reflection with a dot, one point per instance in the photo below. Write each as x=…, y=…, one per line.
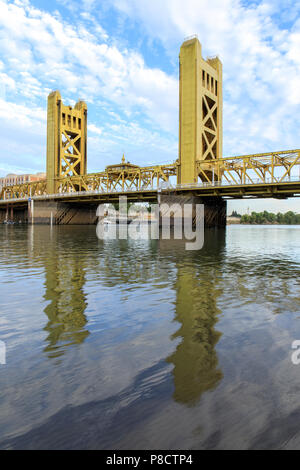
x=196, y=369
x=64, y=289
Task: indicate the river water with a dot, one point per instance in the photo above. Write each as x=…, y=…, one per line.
x=144, y=345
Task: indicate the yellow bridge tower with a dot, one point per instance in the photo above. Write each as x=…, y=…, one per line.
x=200, y=111
x=203, y=174
x=66, y=140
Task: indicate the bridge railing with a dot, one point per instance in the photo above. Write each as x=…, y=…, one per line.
x=247, y=182
x=260, y=169
x=276, y=167
x=166, y=187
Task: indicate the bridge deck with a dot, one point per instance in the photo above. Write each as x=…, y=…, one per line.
x=275, y=174
x=238, y=191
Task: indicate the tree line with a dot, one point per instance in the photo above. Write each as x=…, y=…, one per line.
x=288, y=218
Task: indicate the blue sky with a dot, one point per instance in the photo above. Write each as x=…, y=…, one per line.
x=121, y=57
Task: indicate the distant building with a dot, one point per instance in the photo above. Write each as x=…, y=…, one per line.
x=12, y=179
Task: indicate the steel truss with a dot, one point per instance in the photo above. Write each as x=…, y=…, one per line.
x=118, y=180
x=274, y=167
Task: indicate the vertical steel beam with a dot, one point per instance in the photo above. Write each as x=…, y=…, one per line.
x=66, y=140
x=200, y=110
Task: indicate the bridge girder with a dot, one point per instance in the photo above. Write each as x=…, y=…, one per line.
x=257, y=171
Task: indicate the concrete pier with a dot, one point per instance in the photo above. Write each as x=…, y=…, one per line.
x=172, y=207
x=51, y=213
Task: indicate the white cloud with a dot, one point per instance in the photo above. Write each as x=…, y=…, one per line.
x=23, y=138
x=24, y=116
x=260, y=59
x=140, y=145
x=94, y=129
x=55, y=52
x=41, y=52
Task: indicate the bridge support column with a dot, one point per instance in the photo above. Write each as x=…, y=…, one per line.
x=64, y=213
x=2, y=215
x=173, y=206
x=214, y=211
x=13, y=214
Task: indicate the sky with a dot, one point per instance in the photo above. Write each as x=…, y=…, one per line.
x=121, y=57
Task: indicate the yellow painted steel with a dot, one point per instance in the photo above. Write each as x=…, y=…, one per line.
x=200, y=166
x=66, y=140
x=273, y=167
x=22, y=191
x=200, y=110
x=119, y=178
x=226, y=176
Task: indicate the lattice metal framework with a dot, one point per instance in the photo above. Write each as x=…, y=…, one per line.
x=200, y=110
x=66, y=140
x=23, y=191
x=274, y=167
x=259, y=169
x=118, y=178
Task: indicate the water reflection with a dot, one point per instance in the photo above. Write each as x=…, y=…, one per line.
x=65, y=280
x=59, y=253
x=143, y=331
x=195, y=360
x=66, y=255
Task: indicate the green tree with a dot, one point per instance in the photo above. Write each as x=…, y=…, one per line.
x=289, y=218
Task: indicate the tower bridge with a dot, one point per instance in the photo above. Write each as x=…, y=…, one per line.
x=69, y=195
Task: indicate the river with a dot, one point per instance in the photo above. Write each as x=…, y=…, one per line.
x=116, y=344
